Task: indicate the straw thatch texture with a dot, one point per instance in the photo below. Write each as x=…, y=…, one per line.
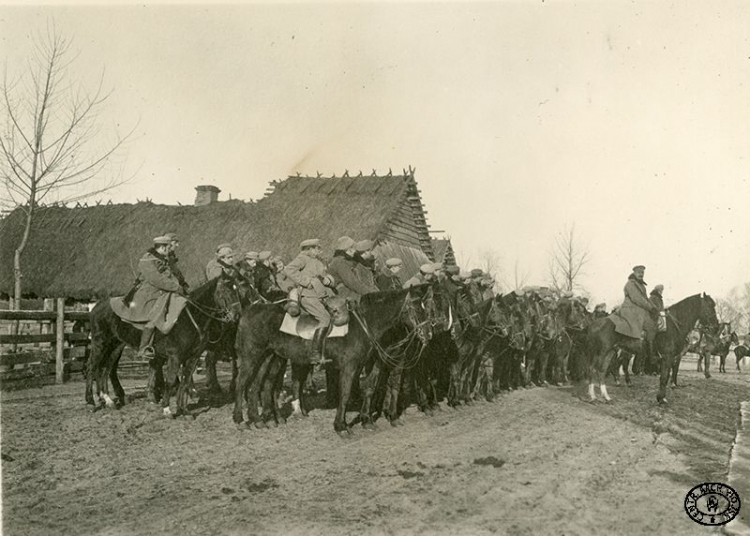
x=91, y=252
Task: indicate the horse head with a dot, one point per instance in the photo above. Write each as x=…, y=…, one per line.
x=418, y=310
x=228, y=299
x=708, y=318
x=499, y=318
x=573, y=314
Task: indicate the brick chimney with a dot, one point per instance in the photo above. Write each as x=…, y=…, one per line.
x=206, y=194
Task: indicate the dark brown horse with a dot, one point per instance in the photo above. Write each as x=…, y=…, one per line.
x=259, y=340
x=604, y=341
x=741, y=351
x=215, y=303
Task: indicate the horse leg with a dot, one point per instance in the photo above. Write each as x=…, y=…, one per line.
x=723, y=362
x=114, y=378
x=394, y=387
x=707, y=363
x=666, y=369
x=235, y=372
x=269, y=415
x=212, y=382
x=601, y=374
x=346, y=377
x=186, y=383
x=626, y=366
x=299, y=377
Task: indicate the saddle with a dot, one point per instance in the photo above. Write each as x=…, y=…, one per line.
x=162, y=315
x=304, y=325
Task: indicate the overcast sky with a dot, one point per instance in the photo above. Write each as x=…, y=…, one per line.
x=630, y=120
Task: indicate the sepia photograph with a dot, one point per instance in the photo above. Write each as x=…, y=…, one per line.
x=375, y=267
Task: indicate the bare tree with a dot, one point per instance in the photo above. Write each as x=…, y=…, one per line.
x=568, y=258
x=50, y=146
x=519, y=277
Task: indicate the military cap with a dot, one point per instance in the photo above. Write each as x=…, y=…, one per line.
x=344, y=243
x=172, y=237
x=394, y=261
x=488, y=281
x=437, y=266
x=224, y=250
x=251, y=255
x=452, y=270
x=638, y=267
x=659, y=288
x=476, y=272
x=162, y=240
x=427, y=268
x=222, y=246
x=264, y=255
x=464, y=275
x=309, y=243
x=364, y=245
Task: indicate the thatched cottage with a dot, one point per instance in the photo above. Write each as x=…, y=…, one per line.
x=90, y=252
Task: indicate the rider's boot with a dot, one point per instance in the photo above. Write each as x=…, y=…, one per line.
x=145, y=350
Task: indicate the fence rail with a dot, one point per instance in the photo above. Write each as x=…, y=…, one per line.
x=38, y=361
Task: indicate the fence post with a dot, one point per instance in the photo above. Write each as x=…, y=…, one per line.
x=60, y=341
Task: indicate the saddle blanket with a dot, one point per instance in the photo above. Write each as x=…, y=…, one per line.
x=164, y=313
x=304, y=326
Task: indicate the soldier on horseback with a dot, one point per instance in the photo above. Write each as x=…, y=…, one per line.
x=310, y=275
x=343, y=269
x=223, y=264
x=365, y=264
x=636, y=307
x=155, y=284
x=172, y=257
x=388, y=279
x=425, y=275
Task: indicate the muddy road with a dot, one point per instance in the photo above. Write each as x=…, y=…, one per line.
x=535, y=461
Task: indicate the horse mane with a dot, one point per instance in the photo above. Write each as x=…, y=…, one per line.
x=680, y=304
x=206, y=289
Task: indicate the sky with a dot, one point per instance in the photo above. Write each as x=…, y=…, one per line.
x=628, y=120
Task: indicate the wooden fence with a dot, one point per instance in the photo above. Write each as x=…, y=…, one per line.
x=50, y=349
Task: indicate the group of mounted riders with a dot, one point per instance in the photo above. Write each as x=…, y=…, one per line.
x=472, y=342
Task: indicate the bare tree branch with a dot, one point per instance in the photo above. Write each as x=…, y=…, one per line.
x=48, y=146
x=567, y=261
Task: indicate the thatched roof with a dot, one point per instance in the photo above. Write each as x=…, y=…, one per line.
x=443, y=250
x=88, y=252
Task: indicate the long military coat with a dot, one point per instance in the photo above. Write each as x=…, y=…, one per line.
x=156, y=283
x=635, y=309
x=308, y=273
x=344, y=272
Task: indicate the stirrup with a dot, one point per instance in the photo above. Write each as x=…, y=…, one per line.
x=323, y=362
x=147, y=352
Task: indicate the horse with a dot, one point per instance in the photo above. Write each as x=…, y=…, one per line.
x=214, y=303
x=259, y=339
x=741, y=351
x=719, y=346
x=604, y=341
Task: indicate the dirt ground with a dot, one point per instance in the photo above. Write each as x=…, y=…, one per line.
x=535, y=461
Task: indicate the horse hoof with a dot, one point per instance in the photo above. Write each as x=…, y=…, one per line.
x=259, y=425
x=343, y=434
x=166, y=412
x=272, y=424
x=368, y=426
x=397, y=422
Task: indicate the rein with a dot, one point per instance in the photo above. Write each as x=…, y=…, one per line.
x=393, y=361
